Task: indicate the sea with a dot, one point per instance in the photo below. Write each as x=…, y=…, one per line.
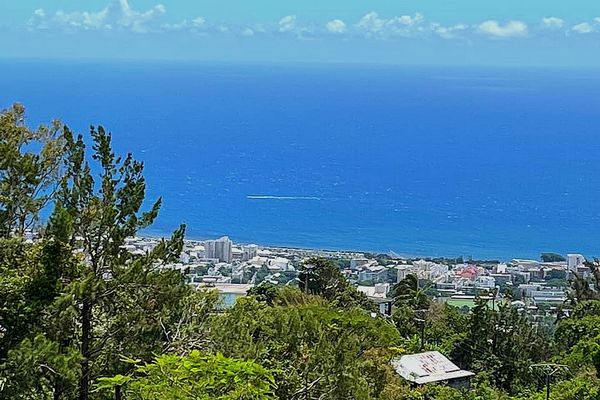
x=421, y=161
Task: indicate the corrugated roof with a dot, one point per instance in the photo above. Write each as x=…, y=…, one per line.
x=428, y=367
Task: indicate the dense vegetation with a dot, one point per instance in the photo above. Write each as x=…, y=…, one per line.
x=82, y=318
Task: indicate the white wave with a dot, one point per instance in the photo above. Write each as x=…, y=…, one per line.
x=267, y=197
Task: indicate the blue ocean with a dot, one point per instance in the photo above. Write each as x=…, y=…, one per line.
x=488, y=163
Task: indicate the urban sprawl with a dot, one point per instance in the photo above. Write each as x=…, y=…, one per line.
x=536, y=287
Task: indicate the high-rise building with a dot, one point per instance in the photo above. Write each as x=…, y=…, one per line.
x=219, y=249
x=250, y=252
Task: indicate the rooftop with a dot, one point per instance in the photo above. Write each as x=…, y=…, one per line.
x=428, y=367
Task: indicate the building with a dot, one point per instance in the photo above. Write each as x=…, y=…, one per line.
x=485, y=282
x=574, y=261
x=379, y=295
x=404, y=270
x=524, y=264
x=356, y=263
x=278, y=264
x=429, y=270
x=547, y=296
x=502, y=279
x=219, y=249
x=374, y=273
x=430, y=367
x=249, y=252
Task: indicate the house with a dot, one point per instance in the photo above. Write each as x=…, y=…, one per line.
x=374, y=273
x=356, y=263
x=378, y=294
x=430, y=367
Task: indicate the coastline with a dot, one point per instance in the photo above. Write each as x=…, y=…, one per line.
x=326, y=251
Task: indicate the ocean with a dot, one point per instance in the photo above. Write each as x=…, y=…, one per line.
x=482, y=163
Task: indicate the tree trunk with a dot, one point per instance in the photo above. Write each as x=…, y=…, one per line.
x=118, y=394
x=86, y=328
x=57, y=390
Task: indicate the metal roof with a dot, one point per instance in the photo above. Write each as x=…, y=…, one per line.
x=427, y=367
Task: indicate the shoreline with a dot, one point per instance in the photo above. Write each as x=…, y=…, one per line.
x=333, y=251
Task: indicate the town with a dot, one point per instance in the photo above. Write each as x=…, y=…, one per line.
x=537, y=287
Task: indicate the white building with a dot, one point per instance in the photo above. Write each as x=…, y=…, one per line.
x=423, y=270
x=375, y=273
x=574, y=261
x=250, y=252
x=278, y=264
x=487, y=282
x=219, y=249
x=405, y=270
x=378, y=294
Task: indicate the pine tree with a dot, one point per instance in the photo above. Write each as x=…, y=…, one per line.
x=29, y=166
x=116, y=293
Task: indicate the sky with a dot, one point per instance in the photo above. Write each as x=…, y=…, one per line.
x=412, y=32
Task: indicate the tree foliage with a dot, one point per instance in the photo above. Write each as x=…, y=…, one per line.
x=322, y=277
x=77, y=294
x=315, y=349
x=551, y=257
x=502, y=343
x=409, y=293
x=29, y=166
x=195, y=376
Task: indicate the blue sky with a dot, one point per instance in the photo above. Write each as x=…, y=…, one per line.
x=433, y=32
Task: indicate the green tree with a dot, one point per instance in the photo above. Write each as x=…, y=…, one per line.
x=502, y=343
x=195, y=376
x=266, y=292
x=29, y=167
x=123, y=300
x=578, y=388
x=578, y=337
x=322, y=277
x=79, y=295
x=551, y=257
x=37, y=368
x=408, y=292
x=446, y=325
x=583, y=289
x=316, y=350
x=262, y=273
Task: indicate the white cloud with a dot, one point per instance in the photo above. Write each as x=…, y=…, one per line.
x=336, y=26
x=38, y=20
x=510, y=29
x=371, y=23
x=119, y=16
x=406, y=20
x=404, y=25
x=116, y=15
x=196, y=25
x=448, y=32
x=584, y=27
x=287, y=24
x=553, y=22
x=247, y=32
x=198, y=22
